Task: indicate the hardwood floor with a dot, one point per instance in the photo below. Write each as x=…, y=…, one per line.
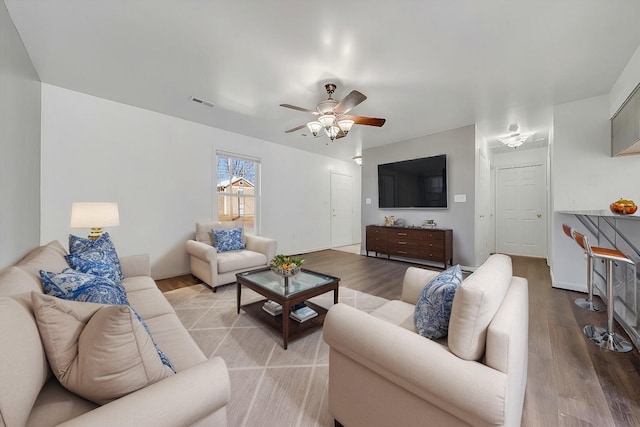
x=571, y=382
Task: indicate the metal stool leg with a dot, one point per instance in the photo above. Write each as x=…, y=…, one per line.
x=589, y=303
x=607, y=338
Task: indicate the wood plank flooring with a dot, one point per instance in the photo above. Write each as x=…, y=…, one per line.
x=571, y=382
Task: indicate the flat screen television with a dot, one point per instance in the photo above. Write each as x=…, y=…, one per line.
x=416, y=183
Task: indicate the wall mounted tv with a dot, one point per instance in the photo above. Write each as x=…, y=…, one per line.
x=416, y=183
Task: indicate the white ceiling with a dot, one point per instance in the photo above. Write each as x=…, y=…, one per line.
x=425, y=65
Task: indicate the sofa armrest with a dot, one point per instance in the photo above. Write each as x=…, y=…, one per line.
x=179, y=400
x=466, y=389
x=415, y=279
x=135, y=265
x=201, y=250
x=263, y=245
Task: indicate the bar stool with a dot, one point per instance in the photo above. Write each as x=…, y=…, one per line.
x=589, y=303
x=606, y=338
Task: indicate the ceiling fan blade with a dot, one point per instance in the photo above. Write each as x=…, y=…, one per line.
x=295, y=128
x=354, y=98
x=304, y=110
x=362, y=120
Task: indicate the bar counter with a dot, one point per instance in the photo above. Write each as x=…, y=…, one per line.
x=606, y=229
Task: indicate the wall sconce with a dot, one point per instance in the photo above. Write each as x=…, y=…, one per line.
x=358, y=160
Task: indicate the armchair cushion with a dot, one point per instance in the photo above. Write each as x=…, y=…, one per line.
x=433, y=308
x=228, y=240
x=476, y=302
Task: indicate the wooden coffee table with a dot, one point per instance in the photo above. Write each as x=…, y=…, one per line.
x=305, y=285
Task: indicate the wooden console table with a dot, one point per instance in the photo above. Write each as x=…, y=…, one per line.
x=430, y=244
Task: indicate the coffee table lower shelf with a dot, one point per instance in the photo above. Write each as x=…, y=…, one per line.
x=296, y=329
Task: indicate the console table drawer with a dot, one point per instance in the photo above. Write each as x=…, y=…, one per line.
x=426, y=244
x=434, y=235
x=405, y=251
x=434, y=255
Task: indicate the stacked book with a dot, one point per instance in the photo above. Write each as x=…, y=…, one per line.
x=272, y=307
x=302, y=314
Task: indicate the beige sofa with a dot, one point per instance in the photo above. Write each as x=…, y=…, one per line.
x=382, y=373
x=220, y=268
x=30, y=395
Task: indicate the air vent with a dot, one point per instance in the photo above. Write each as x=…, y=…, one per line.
x=201, y=101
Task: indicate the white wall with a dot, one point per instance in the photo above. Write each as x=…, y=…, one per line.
x=160, y=170
x=459, y=146
x=585, y=177
x=19, y=146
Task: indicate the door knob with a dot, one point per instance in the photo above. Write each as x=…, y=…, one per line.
x=539, y=215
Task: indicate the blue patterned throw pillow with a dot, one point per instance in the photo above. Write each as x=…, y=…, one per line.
x=101, y=249
x=77, y=286
x=95, y=267
x=433, y=309
x=228, y=240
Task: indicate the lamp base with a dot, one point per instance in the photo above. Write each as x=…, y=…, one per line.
x=95, y=233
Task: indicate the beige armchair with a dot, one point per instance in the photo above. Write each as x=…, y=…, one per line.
x=382, y=373
x=219, y=268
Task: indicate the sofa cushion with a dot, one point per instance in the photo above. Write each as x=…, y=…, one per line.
x=101, y=249
x=23, y=363
x=56, y=404
x=50, y=257
x=476, y=302
x=100, y=352
x=398, y=313
x=240, y=260
x=433, y=308
x=228, y=240
x=14, y=281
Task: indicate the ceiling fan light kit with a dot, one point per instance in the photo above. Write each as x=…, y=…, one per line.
x=332, y=115
x=515, y=139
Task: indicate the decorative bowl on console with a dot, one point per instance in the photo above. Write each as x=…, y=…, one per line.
x=286, y=266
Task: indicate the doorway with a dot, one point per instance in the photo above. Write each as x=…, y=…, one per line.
x=521, y=221
x=341, y=210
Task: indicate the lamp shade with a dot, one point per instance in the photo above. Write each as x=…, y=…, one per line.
x=314, y=127
x=345, y=125
x=94, y=214
x=327, y=121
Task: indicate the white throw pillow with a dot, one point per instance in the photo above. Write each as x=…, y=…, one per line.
x=100, y=352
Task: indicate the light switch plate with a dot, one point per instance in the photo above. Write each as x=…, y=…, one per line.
x=367, y=201
x=459, y=198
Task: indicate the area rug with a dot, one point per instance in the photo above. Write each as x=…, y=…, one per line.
x=269, y=385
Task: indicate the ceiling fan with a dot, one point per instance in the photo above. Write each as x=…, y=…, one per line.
x=333, y=116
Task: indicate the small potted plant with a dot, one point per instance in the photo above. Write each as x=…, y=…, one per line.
x=286, y=266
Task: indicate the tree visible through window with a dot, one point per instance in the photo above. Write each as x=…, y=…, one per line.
x=237, y=190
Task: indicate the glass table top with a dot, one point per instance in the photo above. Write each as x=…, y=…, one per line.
x=301, y=282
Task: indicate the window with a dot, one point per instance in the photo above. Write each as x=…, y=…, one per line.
x=237, y=190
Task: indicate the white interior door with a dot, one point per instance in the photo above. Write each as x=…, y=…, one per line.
x=341, y=210
x=521, y=223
